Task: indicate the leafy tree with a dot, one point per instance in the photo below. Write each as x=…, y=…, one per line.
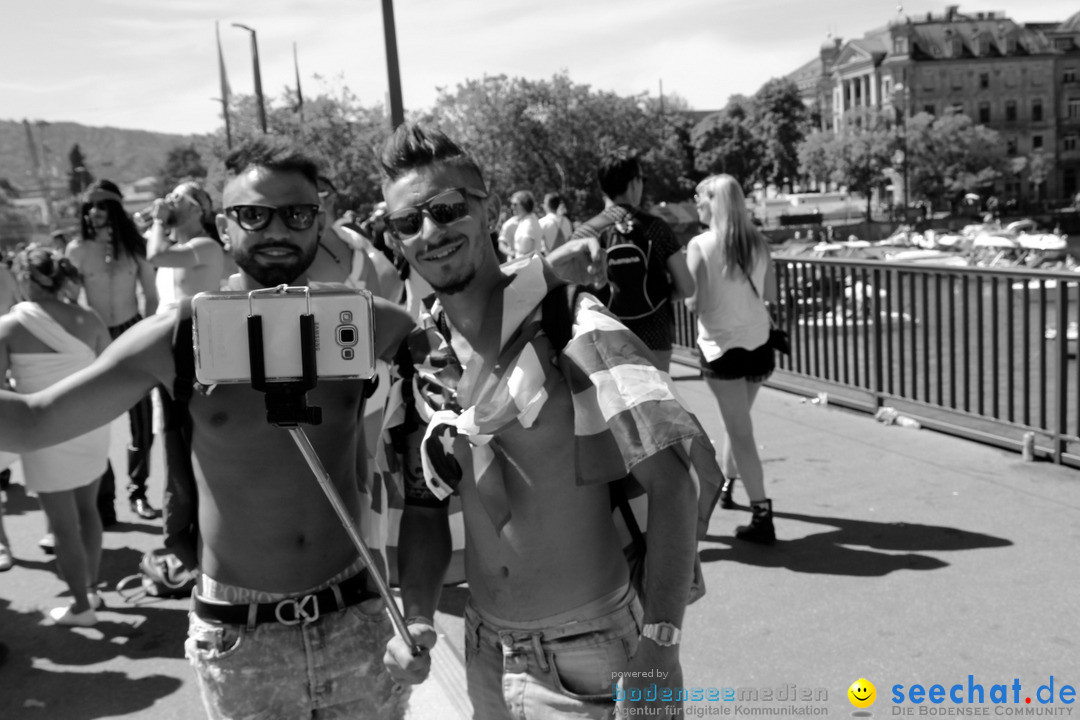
x=780, y=121
x=814, y=155
x=1039, y=167
x=79, y=177
x=950, y=155
x=183, y=162
x=549, y=135
x=336, y=129
x=725, y=143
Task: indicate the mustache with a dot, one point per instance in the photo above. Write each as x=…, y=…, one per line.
x=281, y=244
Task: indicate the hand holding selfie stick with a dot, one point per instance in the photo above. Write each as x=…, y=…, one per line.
x=286, y=407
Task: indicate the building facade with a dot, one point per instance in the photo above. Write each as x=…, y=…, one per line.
x=1021, y=80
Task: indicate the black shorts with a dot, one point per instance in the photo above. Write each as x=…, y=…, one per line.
x=738, y=363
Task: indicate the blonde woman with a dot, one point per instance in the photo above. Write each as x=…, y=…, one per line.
x=734, y=276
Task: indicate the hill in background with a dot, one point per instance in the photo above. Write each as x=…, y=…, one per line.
x=120, y=155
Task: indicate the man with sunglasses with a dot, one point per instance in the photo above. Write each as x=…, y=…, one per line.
x=529, y=435
x=285, y=619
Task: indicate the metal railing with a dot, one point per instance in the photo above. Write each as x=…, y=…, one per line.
x=985, y=353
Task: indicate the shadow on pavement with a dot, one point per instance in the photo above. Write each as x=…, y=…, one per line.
x=855, y=547
x=34, y=688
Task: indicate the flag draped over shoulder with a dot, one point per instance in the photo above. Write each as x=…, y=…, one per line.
x=625, y=409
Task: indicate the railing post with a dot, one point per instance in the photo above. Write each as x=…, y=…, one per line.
x=1061, y=366
x=879, y=326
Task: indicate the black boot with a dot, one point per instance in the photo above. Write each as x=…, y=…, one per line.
x=760, y=529
x=726, y=500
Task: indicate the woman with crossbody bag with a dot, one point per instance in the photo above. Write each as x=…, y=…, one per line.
x=729, y=262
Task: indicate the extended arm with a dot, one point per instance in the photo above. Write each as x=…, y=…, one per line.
x=139, y=359
x=424, y=548
x=149, y=286
x=681, y=277
x=696, y=267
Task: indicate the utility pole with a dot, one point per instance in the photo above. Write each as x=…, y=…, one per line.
x=397, y=109
x=258, y=77
x=45, y=193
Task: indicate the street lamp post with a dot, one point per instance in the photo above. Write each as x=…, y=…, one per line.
x=258, y=77
x=901, y=115
x=397, y=108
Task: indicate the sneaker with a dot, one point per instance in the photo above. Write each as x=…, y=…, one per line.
x=48, y=544
x=64, y=616
x=5, y=558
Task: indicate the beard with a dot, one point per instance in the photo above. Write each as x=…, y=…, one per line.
x=276, y=273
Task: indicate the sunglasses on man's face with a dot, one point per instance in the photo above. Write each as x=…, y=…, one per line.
x=254, y=218
x=446, y=207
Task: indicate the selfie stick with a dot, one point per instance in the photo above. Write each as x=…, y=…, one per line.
x=286, y=407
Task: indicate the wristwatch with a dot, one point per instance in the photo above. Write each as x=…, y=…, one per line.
x=662, y=633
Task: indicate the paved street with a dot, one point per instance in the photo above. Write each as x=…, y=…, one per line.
x=904, y=556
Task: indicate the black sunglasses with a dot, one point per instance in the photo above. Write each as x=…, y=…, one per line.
x=446, y=207
x=256, y=217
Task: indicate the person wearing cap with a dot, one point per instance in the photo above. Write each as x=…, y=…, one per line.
x=111, y=257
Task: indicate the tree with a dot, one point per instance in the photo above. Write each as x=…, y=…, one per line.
x=337, y=130
x=814, y=154
x=725, y=143
x=950, y=155
x=1039, y=167
x=549, y=135
x=79, y=177
x=183, y=162
x=780, y=121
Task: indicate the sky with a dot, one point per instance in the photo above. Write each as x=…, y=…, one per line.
x=152, y=64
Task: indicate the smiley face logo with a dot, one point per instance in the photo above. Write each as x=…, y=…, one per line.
x=862, y=693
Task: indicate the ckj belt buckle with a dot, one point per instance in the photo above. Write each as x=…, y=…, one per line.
x=305, y=610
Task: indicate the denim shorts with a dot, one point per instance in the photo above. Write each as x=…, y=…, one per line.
x=329, y=668
x=739, y=363
x=547, y=674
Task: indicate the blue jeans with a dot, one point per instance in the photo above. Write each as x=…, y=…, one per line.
x=552, y=673
x=329, y=668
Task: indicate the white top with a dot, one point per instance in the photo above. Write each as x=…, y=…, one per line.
x=76, y=462
x=729, y=314
x=550, y=225
x=526, y=235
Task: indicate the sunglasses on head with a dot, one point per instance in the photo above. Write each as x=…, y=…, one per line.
x=257, y=217
x=446, y=207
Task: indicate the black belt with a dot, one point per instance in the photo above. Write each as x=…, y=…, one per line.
x=290, y=611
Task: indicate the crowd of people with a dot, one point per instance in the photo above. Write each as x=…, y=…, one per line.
x=529, y=359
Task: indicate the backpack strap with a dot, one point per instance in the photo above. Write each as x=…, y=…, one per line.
x=557, y=314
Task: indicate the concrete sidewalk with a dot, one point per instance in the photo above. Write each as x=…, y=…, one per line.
x=904, y=556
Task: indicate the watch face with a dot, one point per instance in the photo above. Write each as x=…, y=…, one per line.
x=665, y=634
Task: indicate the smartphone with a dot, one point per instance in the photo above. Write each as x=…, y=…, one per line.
x=344, y=340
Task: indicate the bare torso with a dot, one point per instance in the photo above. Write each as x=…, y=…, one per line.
x=264, y=522
x=110, y=286
x=560, y=549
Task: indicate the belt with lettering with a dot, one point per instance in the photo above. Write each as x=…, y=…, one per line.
x=290, y=611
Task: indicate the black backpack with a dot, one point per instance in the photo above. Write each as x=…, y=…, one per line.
x=635, y=292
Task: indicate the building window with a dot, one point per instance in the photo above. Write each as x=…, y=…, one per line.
x=1010, y=146
x=1010, y=45
x=900, y=46
x=984, y=80
x=984, y=112
x=1036, y=110
x=1036, y=142
x=928, y=109
x=1068, y=75
x=1069, y=143
x=1010, y=111
x=958, y=80
x=956, y=109
x=1073, y=109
